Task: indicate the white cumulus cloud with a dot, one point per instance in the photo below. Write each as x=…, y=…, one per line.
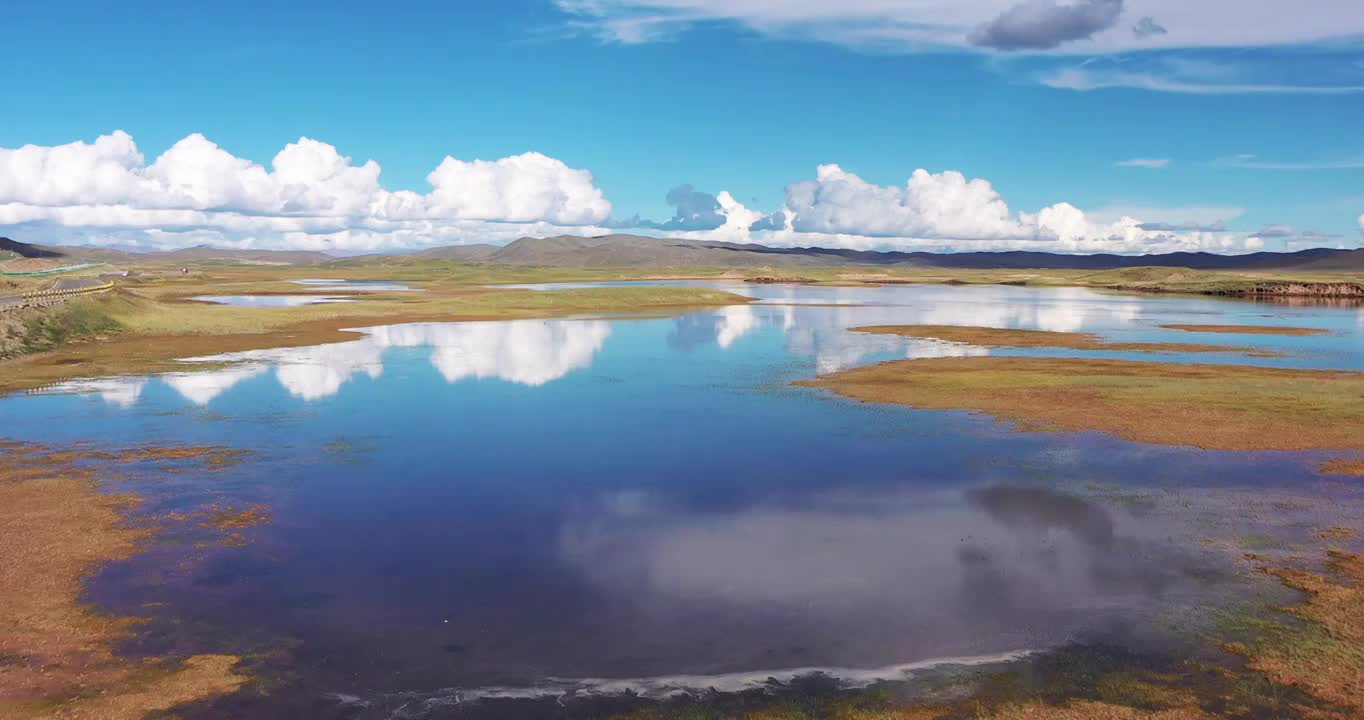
x=947, y=211
x=523, y=188
x=105, y=192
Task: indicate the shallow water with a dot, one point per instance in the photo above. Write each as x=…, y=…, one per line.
x=354, y=285
x=494, y=509
x=270, y=300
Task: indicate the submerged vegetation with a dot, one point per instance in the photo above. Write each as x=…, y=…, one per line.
x=57, y=655
x=1304, y=661
x=1324, y=653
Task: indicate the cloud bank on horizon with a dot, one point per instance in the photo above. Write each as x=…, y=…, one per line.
x=313, y=197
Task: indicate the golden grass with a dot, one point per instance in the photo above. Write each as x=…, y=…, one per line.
x=1074, y=710
x=1343, y=467
x=56, y=655
x=1224, y=407
x=1091, y=710
x=1337, y=533
x=1248, y=329
x=1008, y=337
x=1326, y=659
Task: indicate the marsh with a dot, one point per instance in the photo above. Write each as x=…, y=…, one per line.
x=597, y=505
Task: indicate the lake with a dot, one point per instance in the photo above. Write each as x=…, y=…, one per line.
x=609, y=504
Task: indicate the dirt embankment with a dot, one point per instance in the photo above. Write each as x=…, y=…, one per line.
x=1301, y=289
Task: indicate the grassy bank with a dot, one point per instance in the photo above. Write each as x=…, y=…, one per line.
x=1223, y=407
x=43, y=329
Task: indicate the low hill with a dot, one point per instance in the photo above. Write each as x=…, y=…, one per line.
x=11, y=249
x=620, y=251
x=627, y=251
x=462, y=253
x=201, y=253
x=73, y=254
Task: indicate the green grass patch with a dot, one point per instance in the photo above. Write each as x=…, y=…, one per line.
x=45, y=329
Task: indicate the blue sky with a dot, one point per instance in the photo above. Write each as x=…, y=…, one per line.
x=1254, y=126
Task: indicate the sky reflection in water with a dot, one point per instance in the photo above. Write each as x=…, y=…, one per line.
x=497, y=503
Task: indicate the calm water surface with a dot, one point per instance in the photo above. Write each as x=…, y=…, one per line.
x=270, y=300
x=541, y=506
x=354, y=285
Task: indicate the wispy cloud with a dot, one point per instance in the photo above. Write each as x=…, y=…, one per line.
x=1275, y=231
x=1081, y=26
x=1251, y=162
x=1213, y=227
x=1195, y=218
x=1084, y=80
x=1147, y=163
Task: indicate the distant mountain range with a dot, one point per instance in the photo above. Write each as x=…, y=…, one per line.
x=626, y=251
x=630, y=251
x=199, y=253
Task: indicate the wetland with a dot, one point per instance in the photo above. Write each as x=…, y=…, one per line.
x=909, y=501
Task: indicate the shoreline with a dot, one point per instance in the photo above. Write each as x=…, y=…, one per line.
x=59, y=528
x=130, y=352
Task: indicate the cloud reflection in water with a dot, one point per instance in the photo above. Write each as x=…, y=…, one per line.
x=527, y=352
x=935, y=571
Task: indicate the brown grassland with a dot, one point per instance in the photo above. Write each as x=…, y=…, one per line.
x=1324, y=655
x=1343, y=467
x=1220, y=407
x=57, y=657
x=1248, y=329
x=1008, y=337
